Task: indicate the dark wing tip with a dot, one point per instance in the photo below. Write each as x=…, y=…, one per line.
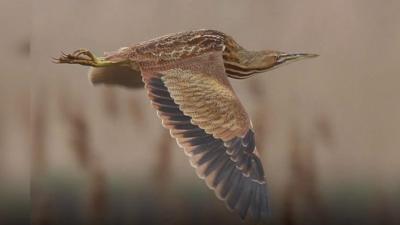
x=231, y=168
x=247, y=197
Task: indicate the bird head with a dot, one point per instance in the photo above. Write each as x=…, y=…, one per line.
x=282, y=58
x=267, y=59
x=248, y=63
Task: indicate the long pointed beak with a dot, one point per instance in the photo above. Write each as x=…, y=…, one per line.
x=306, y=55
x=294, y=57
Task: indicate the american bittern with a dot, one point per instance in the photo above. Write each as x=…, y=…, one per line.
x=186, y=77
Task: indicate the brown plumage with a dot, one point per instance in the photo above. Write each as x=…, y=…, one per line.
x=186, y=77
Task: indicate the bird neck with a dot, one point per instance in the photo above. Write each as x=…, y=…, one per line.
x=244, y=63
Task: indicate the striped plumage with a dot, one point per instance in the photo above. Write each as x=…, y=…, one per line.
x=186, y=77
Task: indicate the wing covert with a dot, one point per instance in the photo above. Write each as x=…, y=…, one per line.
x=212, y=106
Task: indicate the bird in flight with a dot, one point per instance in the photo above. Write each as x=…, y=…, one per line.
x=186, y=77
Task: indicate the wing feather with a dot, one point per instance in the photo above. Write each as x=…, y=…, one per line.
x=205, y=116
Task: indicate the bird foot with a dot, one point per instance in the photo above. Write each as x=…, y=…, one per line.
x=82, y=57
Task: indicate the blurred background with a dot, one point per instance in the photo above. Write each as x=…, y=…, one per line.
x=328, y=129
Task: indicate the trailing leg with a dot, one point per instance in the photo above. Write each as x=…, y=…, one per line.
x=84, y=57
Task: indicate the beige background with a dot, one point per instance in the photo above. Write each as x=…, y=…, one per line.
x=328, y=127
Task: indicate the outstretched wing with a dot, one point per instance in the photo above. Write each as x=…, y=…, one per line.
x=197, y=104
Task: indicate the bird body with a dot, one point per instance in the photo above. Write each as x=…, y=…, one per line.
x=186, y=77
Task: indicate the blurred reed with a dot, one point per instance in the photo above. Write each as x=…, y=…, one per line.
x=80, y=142
x=323, y=129
x=42, y=213
x=42, y=210
x=2, y=144
x=98, y=197
x=110, y=102
x=383, y=212
x=39, y=125
x=302, y=200
x=135, y=109
x=162, y=170
x=168, y=206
